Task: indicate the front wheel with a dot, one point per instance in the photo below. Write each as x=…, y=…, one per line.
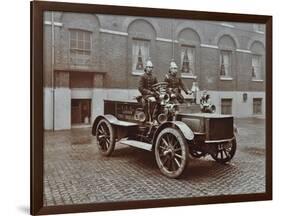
x=225, y=151
x=105, y=134
x=171, y=152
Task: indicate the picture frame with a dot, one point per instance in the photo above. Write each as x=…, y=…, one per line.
x=37, y=106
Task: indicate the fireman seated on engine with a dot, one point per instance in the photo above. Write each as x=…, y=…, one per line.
x=206, y=103
x=175, y=84
x=146, y=82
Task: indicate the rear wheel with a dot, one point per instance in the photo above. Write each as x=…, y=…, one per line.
x=225, y=151
x=171, y=152
x=105, y=135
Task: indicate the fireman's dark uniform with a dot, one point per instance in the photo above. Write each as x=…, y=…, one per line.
x=145, y=87
x=175, y=84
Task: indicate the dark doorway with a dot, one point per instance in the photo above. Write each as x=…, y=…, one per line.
x=80, y=111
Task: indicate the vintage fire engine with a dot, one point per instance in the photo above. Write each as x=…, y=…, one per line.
x=173, y=135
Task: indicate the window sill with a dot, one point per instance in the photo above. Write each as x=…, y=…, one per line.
x=257, y=80
x=79, y=66
x=226, y=78
x=188, y=76
x=260, y=32
x=135, y=73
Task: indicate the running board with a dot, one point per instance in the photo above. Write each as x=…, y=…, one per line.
x=137, y=144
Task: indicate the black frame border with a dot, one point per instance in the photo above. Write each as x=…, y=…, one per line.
x=37, y=9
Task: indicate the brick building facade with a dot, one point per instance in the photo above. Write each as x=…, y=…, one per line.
x=92, y=57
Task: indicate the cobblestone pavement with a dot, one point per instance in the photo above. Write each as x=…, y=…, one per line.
x=75, y=172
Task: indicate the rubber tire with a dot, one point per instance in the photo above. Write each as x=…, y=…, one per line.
x=232, y=153
x=185, y=152
x=111, y=130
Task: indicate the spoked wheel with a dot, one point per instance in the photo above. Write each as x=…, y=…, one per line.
x=225, y=151
x=171, y=152
x=105, y=137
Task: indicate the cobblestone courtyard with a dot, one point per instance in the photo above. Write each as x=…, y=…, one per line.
x=75, y=172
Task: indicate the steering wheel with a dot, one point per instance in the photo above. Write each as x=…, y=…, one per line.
x=160, y=85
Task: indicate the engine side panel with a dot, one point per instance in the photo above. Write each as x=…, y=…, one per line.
x=122, y=110
x=214, y=126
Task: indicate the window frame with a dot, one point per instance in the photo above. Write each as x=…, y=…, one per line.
x=257, y=102
x=223, y=105
x=259, y=77
x=73, y=50
x=190, y=74
x=229, y=74
x=145, y=40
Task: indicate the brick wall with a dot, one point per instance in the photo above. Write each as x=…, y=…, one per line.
x=112, y=51
x=113, y=54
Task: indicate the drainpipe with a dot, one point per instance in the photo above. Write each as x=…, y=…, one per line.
x=173, y=43
x=52, y=67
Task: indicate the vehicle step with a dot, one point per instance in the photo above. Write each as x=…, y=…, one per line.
x=137, y=144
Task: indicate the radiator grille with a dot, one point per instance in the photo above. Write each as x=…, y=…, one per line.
x=219, y=128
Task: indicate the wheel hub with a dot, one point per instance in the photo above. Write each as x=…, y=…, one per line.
x=170, y=151
x=101, y=136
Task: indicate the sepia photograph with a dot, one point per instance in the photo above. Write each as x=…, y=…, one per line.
x=188, y=95
x=146, y=108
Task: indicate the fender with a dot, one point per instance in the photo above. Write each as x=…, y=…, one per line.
x=182, y=127
x=112, y=120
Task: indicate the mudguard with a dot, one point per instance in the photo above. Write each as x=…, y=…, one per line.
x=112, y=120
x=185, y=130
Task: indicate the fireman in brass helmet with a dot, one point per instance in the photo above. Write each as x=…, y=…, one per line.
x=146, y=82
x=175, y=84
